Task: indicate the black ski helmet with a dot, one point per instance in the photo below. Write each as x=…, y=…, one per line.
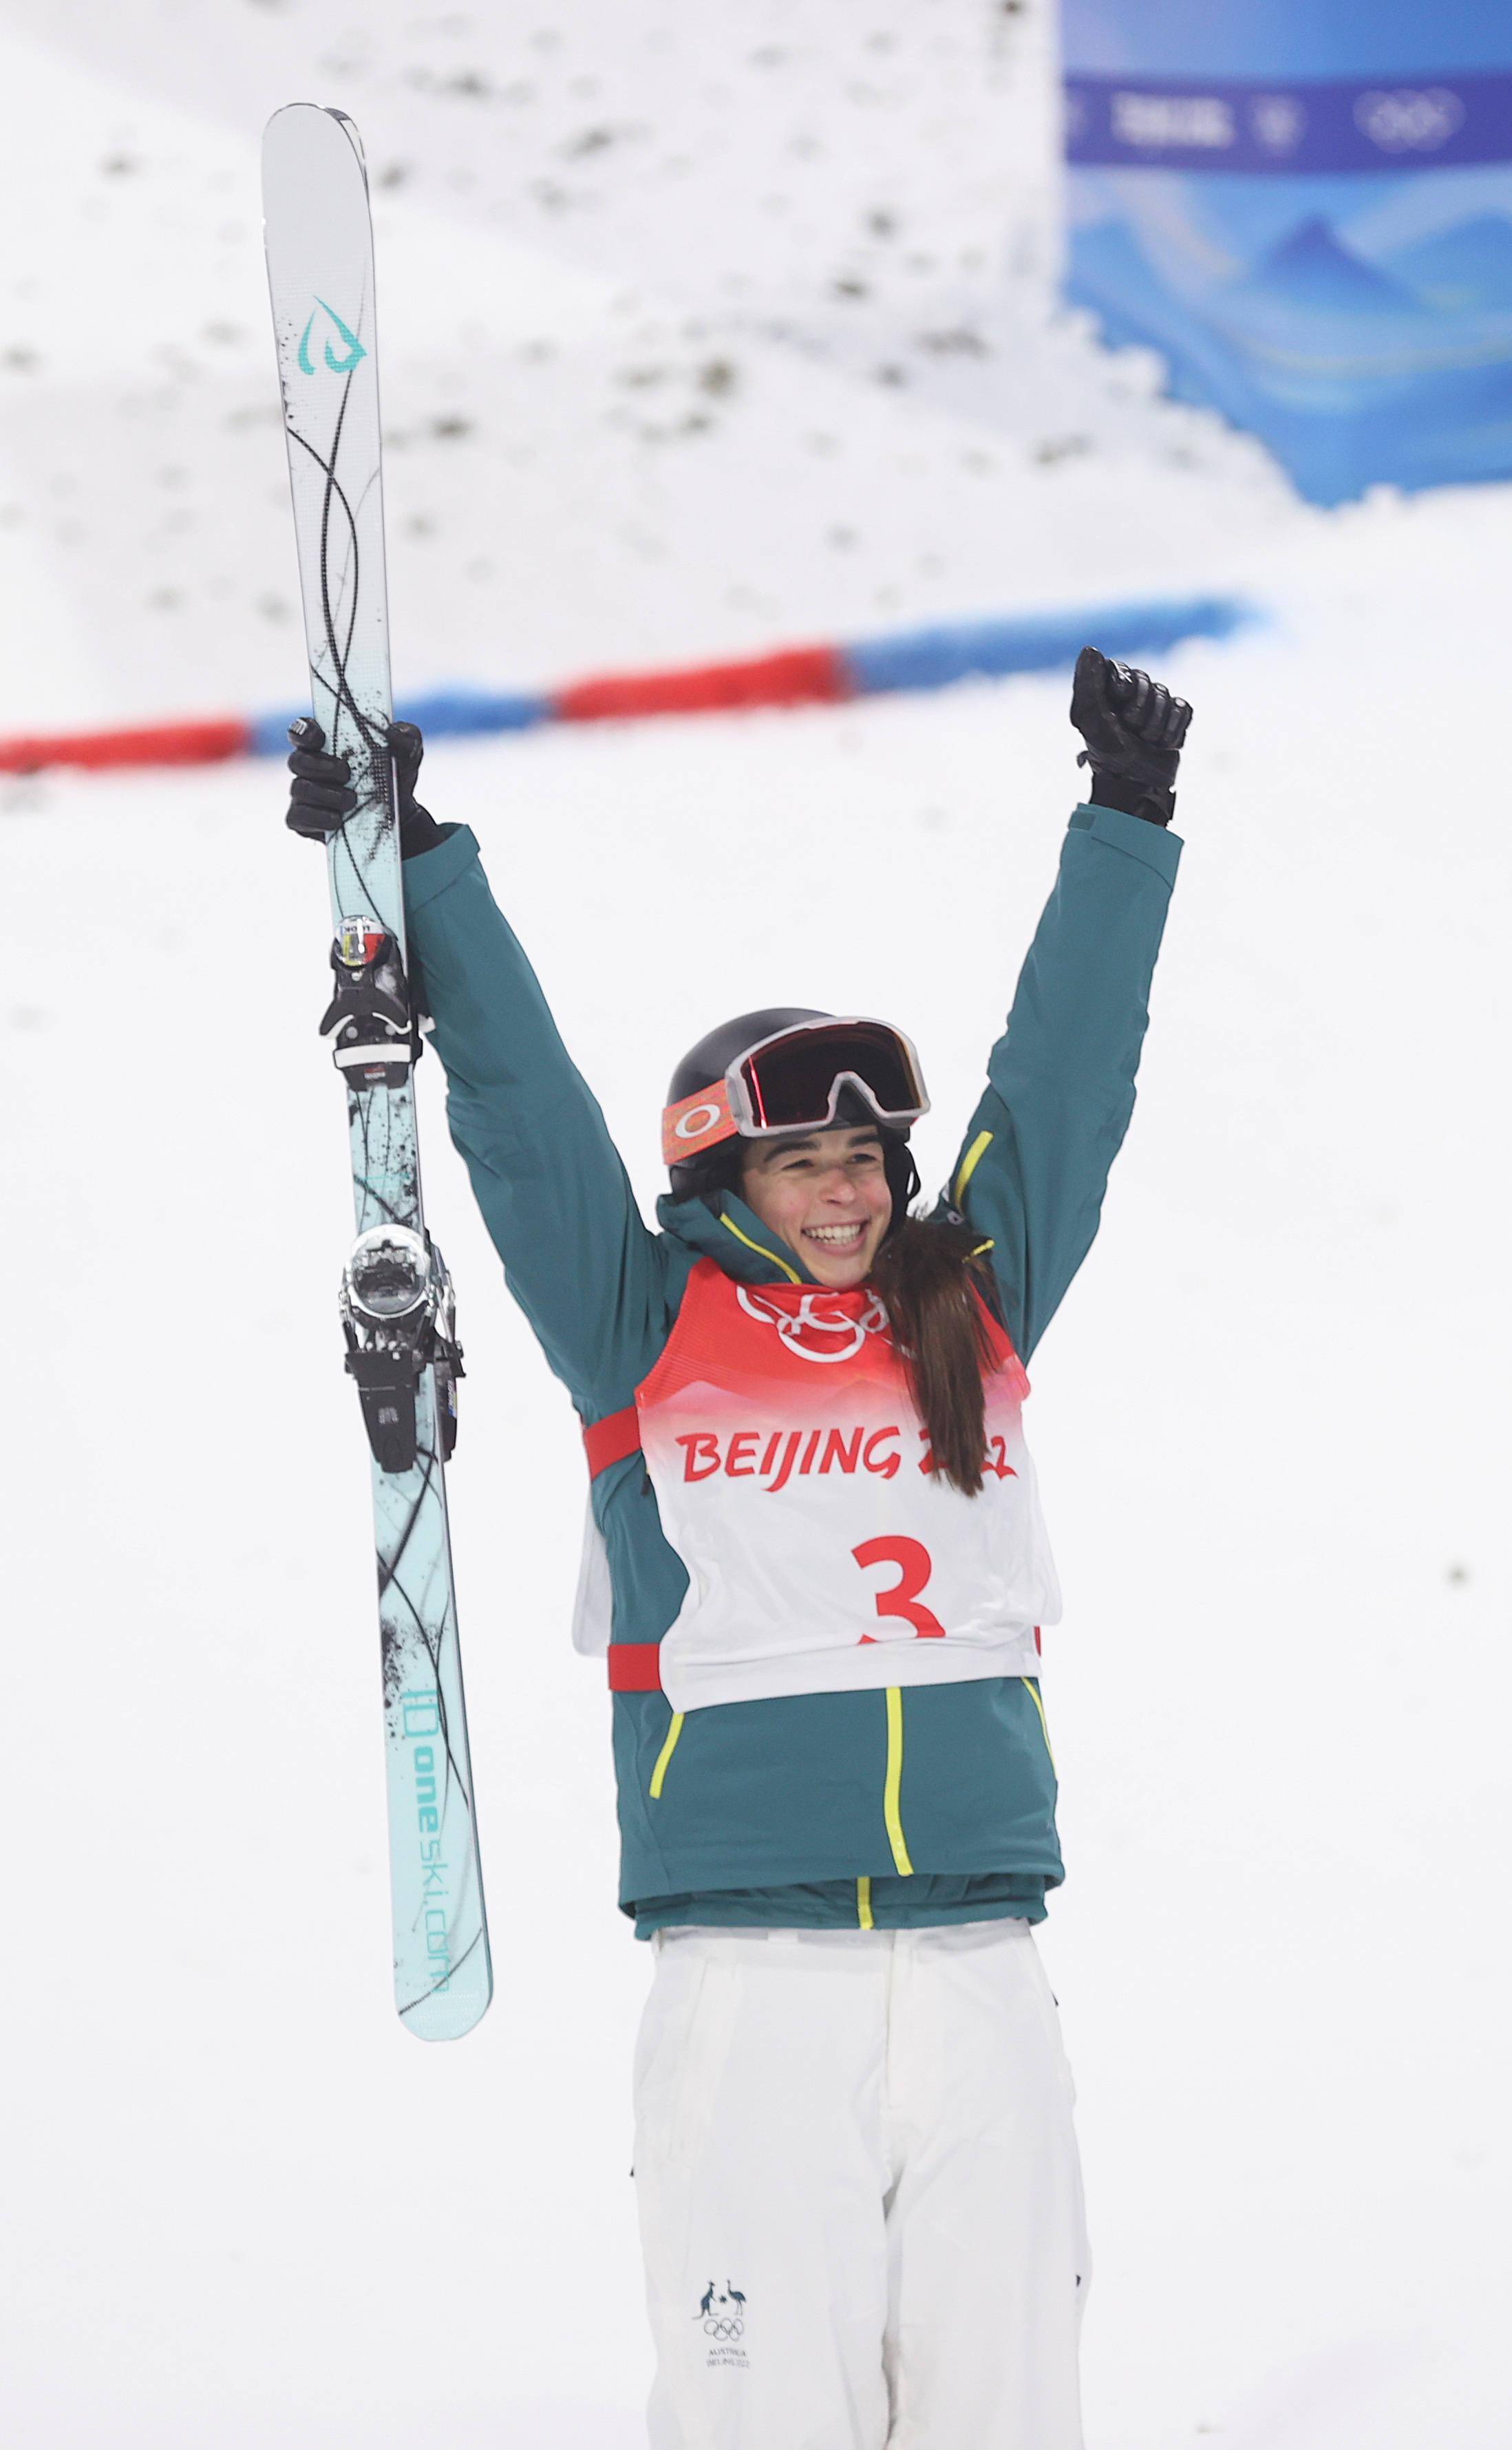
x=717, y=1168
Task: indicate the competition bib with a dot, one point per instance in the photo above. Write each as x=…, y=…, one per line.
x=791, y=1472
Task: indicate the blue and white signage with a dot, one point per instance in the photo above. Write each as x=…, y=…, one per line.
x=1317, y=239
x=1296, y=128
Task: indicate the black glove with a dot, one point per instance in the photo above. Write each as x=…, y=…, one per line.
x=1134, y=730
x=322, y=797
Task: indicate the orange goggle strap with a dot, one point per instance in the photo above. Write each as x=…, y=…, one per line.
x=697, y=1122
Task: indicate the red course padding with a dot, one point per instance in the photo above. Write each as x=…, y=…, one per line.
x=799, y=675
x=200, y=742
x=611, y=1439
x=634, y=1666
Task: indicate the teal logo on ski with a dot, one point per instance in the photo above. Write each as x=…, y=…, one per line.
x=355, y=351
x=423, y=1716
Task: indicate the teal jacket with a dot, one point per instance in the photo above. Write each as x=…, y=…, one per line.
x=829, y=1808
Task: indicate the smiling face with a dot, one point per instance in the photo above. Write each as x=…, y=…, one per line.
x=825, y=1193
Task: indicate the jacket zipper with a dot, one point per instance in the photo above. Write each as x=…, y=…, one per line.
x=892, y=1788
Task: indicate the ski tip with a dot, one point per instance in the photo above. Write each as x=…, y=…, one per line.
x=309, y=149
x=299, y=119
x=287, y=113
x=350, y=129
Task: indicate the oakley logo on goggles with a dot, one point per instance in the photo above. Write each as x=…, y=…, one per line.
x=792, y=1082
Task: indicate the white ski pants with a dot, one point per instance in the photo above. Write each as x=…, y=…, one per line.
x=860, y=2199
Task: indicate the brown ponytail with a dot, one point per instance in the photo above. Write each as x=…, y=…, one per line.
x=925, y=1274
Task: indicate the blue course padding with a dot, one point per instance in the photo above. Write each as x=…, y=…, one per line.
x=454, y=712
x=463, y=710
x=1034, y=642
x=916, y=659
x=267, y=735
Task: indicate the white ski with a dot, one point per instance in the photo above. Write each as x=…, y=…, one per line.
x=395, y=1296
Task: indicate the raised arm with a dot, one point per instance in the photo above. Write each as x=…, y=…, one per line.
x=553, y=1194
x=1033, y=1164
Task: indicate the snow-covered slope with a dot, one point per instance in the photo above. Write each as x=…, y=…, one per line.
x=596, y=456
x=1269, y=1419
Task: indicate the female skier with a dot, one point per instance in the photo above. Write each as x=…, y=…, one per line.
x=858, y=2193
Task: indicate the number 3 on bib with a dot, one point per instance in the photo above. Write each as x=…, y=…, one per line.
x=915, y=1565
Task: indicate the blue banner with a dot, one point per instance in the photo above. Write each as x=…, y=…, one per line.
x=1306, y=206
x=1293, y=126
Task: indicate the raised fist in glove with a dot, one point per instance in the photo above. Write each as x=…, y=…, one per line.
x=322, y=797
x=1134, y=730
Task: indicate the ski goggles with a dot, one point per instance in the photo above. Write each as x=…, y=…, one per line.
x=793, y=1081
